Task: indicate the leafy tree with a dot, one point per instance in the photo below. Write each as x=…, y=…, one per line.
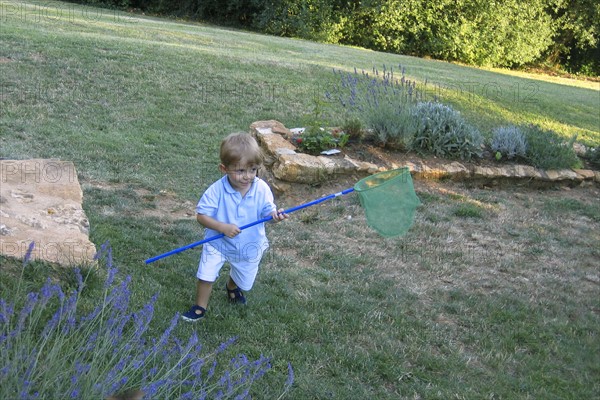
x=500, y=33
x=576, y=44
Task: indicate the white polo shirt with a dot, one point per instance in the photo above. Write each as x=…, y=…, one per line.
x=225, y=204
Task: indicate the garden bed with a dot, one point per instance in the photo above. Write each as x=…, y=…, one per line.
x=286, y=165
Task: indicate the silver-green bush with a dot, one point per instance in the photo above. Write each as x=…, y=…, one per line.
x=508, y=142
x=441, y=130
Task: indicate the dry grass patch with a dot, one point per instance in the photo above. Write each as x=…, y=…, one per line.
x=519, y=242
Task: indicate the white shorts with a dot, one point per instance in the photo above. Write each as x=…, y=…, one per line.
x=243, y=271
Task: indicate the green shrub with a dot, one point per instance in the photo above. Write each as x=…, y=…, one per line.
x=593, y=156
x=315, y=140
x=548, y=150
x=380, y=100
x=391, y=126
x=508, y=142
x=353, y=127
x=442, y=131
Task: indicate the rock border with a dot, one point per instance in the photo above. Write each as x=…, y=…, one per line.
x=287, y=165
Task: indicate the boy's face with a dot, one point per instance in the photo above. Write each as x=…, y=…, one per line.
x=240, y=175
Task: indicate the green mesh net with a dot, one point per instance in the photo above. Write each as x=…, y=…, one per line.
x=389, y=201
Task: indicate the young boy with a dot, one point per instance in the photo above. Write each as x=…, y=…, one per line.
x=235, y=200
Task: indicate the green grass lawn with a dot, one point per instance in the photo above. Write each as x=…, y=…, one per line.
x=494, y=293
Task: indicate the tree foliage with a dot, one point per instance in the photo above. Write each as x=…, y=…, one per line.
x=500, y=33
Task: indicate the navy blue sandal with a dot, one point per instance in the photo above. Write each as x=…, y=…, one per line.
x=194, y=314
x=235, y=295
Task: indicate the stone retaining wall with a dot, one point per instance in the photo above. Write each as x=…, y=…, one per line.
x=287, y=165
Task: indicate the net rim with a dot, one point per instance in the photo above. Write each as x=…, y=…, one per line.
x=401, y=171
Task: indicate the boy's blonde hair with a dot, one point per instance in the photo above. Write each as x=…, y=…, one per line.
x=240, y=148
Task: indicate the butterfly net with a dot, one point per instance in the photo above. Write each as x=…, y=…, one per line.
x=389, y=201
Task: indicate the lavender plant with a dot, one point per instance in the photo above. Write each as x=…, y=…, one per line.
x=50, y=349
x=442, y=131
x=380, y=100
x=508, y=142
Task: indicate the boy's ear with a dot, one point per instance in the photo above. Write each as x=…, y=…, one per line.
x=222, y=168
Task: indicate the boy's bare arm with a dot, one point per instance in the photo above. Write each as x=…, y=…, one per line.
x=229, y=230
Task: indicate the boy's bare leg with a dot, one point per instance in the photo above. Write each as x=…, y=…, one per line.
x=203, y=291
x=231, y=284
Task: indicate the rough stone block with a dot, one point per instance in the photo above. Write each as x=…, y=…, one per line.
x=270, y=126
x=335, y=166
x=457, y=171
x=300, y=168
x=272, y=142
x=560, y=175
x=42, y=202
x=585, y=174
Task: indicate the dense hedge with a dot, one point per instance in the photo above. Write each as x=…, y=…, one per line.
x=503, y=33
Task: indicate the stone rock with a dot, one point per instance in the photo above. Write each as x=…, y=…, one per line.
x=457, y=171
x=585, y=174
x=580, y=149
x=526, y=172
x=363, y=166
x=434, y=173
x=270, y=126
x=489, y=172
x=336, y=166
x=414, y=168
x=42, y=203
x=299, y=168
x=560, y=175
x=267, y=135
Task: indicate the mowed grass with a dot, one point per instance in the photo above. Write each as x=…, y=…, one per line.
x=493, y=293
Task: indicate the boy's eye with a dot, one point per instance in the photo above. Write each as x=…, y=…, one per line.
x=253, y=170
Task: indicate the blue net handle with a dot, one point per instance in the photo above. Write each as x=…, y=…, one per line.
x=260, y=221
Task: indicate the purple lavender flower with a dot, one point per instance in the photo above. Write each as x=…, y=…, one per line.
x=32, y=299
x=27, y=256
x=167, y=333
x=120, y=295
x=226, y=381
x=239, y=361
x=290, y=379
x=170, y=366
x=211, y=371
x=110, y=277
x=51, y=324
x=118, y=385
x=262, y=365
x=102, y=250
x=243, y=395
x=152, y=389
x=196, y=367
x=6, y=311
x=79, y=280
x=226, y=344
x=67, y=313
x=91, y=316
x=142, y=319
